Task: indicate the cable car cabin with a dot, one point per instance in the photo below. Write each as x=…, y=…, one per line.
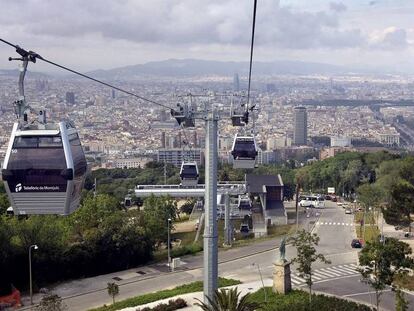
x=244, y=203
x=244, y=152
x=44, y=169
x=189, y=174
x=128, y=201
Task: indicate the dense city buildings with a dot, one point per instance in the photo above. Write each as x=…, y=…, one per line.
x=115, y=126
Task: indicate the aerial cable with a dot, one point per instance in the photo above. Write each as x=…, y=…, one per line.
x=251, y=55
x=33, y=56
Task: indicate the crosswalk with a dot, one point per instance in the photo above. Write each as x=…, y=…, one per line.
x=332, y=223
x=327, y=274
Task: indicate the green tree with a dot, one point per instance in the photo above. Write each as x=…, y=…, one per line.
x=305, y=243
x=403, y=201
x=381, y=262
x=51, y=303
x=4, y=203
x=228, y=300
x=370, y=196
x=156, y=212
x=113, y=290
x=401, y=303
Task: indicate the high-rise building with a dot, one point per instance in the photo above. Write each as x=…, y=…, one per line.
x=163, y=140
x=236, y=83
x=113, y=94
x=300, y=133
x=70, y=98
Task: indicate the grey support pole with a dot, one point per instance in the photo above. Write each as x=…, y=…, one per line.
x=210, y=228
x=227, y=226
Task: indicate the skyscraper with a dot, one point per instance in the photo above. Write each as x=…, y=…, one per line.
x=70, y=98
x=236, y=83
x=300, y=133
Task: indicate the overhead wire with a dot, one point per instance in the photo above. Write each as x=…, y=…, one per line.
x=251, y=54
x=37, y=56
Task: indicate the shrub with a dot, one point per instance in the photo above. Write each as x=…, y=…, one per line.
x=172, y=305
x=299, y=301
x=151, y=297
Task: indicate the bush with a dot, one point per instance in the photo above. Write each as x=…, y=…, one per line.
x=151, y=297
x=299, y=301
x=172, y=305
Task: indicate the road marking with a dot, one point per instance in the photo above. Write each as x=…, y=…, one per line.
x=343, y=271
x=330, y=271
x=366, y=293
x=334, y=223
x=318, y=278
x=348, y=269
x=324, y=274
x=298, y=279
x=295, y=281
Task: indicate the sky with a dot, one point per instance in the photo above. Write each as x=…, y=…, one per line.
x=103, y=34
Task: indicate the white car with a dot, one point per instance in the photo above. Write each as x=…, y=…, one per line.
x=312, y=201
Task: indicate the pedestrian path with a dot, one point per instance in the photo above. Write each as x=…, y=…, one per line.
x=327, y=274
x=333, y=223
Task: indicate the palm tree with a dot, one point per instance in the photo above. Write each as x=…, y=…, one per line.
x=113, y=290
x=228, y=300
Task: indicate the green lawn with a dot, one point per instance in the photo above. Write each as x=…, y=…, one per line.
x=369, y=217
x=371, y=233
x=405, y=281
x=151, y=297
x=188, y=247
x=299, y=301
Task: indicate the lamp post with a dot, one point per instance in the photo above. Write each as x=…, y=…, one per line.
x=261, y=278
x=169, y=243
x=34, y=246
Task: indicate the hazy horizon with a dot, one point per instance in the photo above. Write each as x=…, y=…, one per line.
x=110, y=34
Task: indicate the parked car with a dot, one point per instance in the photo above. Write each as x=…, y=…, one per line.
x=356, y=243
x=348, y=211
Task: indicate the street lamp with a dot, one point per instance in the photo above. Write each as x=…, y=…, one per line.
x=261, y=278
x=34, y=246
x=169, y=242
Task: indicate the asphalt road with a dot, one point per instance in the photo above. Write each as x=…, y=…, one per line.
x=336, y=231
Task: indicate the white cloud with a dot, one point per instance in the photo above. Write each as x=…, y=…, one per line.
x=108, y=33
x=389, y=38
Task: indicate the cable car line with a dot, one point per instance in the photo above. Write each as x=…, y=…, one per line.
x=251, y=54
x=33, y=56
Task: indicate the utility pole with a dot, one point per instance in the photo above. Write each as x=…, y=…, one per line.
x=169, y=242
x=165, y=172
x=210, y=199
x=227, y=225
x=34, y=246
